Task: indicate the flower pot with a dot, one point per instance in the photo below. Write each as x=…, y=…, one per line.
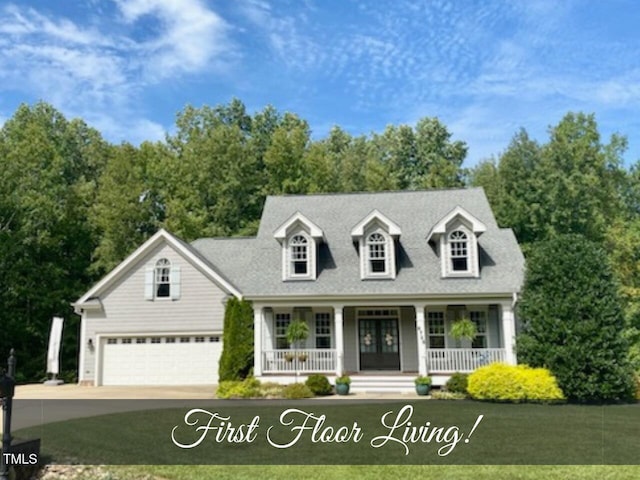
x=342, y=388
x=423, y=389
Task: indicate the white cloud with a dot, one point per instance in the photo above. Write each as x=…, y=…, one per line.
x=85, y=67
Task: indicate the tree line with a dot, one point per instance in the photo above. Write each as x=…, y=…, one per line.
x=73, y=205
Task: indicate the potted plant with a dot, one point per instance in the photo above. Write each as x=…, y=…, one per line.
x=423, y=385
x=342, y=384
x=464, y=329
x=297, y=332
x=302, y=357
x=289, y=357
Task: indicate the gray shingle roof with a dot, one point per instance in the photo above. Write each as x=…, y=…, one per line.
x=255, y=265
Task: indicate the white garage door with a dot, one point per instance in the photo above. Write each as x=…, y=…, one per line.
x=170, y=360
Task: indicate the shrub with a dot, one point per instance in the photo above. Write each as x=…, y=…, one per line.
x=458, y=383
x=509, y=383
x=422, y=380
x=447, y=395
x=247, y=388
x=573, y=320
x=236, y=360
x=297, y=390
x=319, y=385
x=271, y=390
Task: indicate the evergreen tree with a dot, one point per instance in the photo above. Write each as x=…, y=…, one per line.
x=573, y=320
x=236, y=361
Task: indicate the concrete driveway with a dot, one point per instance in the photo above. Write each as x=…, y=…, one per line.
x=76, y=392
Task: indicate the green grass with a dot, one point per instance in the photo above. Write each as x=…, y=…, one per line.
x=476, y=472
x=508, y=435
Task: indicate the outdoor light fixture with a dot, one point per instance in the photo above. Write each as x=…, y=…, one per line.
x=90, y=344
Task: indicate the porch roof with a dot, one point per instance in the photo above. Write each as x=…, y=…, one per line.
x=255, y=265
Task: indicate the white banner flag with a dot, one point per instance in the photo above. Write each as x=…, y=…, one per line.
x=53, y=355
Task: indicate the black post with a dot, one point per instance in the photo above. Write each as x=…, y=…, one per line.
x=7, y=385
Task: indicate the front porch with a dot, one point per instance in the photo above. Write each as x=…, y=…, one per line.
x=405, y=340
x=444, y=361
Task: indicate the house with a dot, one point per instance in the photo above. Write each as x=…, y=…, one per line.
x=378, y=277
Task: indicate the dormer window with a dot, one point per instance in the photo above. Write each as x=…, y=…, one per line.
x=376, y=237
x=459, y=246
x=299, y=254
x=299, y=238
x=456, y=235
x=163, y=278
x=377, y=253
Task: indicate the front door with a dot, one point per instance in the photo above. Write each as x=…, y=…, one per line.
x=379, y=349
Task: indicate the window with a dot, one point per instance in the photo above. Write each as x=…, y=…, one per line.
x=112, y=341
x=214, y=339
x=126, y=341
x=170, y=340
x=185, y=339
x=323, y=330
x=155, y=339
x=299, y=252
x=480, y=320
x=377, y=253
x=199, y=339
x=282, y=323
x=435, y=329
x=163, y=278
x=459, y=245
x=141, y=340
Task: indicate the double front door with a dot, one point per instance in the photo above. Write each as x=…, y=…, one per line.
x=379, y=345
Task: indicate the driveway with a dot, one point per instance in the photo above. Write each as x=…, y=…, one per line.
x=76, y=392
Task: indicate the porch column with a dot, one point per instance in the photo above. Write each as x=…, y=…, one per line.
x=421, y=339
x=509, y=332
x=257, y=340
x=339, y=329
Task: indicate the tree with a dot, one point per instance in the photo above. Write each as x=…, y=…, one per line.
x=48, y=175
x=573, y=320
x=236, y=361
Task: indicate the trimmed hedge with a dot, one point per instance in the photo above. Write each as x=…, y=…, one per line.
x=513, y=383
x=319, y=384
x=458, y=383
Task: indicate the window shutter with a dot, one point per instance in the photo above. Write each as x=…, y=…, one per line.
x=175, y=283
x=148, y=283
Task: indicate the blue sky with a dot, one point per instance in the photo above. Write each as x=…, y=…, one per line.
x=485, y=68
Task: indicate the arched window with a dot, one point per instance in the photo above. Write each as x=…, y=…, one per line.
x=459, y=248
x=163, y=278
x=377, y=253
x=299, y=255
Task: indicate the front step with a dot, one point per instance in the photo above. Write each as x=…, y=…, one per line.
x=382, y=384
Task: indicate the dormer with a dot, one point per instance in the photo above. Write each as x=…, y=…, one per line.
x=457, y=234
x=376, y=237
x=299, y=238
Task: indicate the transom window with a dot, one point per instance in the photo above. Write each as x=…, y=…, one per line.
x=377, y=253
x=282, y=322
x=299, y=255
x=435, y=329
x=480, y=320
x=323, y=330
x=459, y=245
x=163, y=278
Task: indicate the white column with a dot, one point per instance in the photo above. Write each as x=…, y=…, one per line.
x=421, y=339
x=339, y=329
x=509, y=332
x=257, y=340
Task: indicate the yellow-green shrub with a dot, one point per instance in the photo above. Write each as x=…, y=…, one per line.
x=513, y=383
x=247, y=388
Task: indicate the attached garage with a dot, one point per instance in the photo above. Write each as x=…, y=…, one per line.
x=159, y=360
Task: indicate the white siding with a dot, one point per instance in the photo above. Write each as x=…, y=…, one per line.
x=200, y=308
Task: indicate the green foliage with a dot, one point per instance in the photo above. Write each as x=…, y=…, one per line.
x=511, y=383
x=422, y=380
x=447, y=395
x=247, y=388
x=297, y=390
x=458, y=383
x=573, y=320
x=319, y=384
x=463, y=329
x=236, y=360
x=343, y=379
x=297, y=331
